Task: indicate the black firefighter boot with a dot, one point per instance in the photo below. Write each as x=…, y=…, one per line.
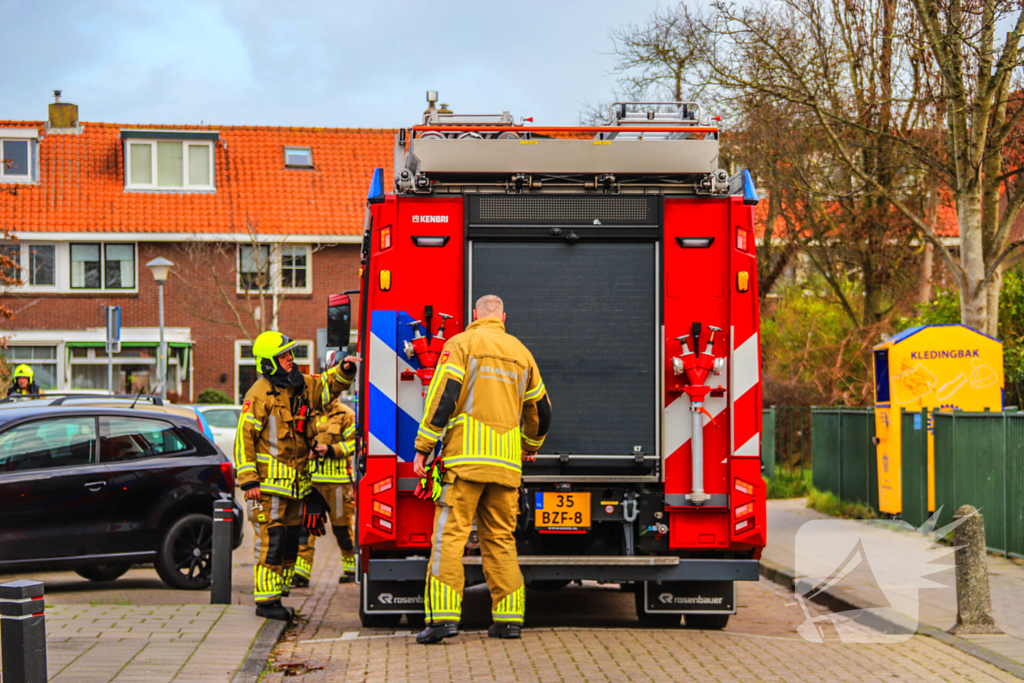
x=437, y=631
x=504, y=630
x=274, y=610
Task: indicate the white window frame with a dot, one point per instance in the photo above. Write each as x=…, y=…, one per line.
x=276, y=269
x=103, y=268
x=25, y=262
x=239, y=361
x=30, y=136
x=91, y=358
x=154, y=186
x=54, y=362
x=298, y=148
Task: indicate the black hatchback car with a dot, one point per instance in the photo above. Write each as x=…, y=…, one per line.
x=97, y=489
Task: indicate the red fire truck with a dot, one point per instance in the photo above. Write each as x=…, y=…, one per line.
x=625, y=258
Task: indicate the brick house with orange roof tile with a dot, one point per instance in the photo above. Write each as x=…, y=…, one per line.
x=235, y=208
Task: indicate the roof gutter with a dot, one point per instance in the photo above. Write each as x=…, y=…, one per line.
x=241, y=238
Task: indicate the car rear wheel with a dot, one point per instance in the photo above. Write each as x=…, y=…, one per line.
x=103, y=572
x=183, y=560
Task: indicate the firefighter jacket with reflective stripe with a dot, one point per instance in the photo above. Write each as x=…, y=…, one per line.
x=269, y=451
x=488, y=402
x=31, y=390
x=336, y=428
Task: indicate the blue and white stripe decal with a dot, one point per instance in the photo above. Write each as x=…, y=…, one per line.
x=395, y=407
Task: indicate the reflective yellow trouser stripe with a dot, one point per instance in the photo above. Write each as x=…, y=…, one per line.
x=348, y=564
x=512, y=607
x=268, y=584
x=303, y=567
x=443, y=603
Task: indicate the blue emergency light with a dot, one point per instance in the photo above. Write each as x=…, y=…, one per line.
x=749, y=191
x=376, y=193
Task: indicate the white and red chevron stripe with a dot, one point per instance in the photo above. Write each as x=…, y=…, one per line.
x=744, y=381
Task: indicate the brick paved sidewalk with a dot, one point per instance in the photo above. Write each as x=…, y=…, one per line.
x=590, y=633
x=157, y=643
x=138, y=629
x=937, y=605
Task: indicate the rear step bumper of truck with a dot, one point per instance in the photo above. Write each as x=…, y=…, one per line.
x=585, y=568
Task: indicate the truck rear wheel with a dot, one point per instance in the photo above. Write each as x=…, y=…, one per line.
x=707, y=622
x=653, y=619
x=372, y=620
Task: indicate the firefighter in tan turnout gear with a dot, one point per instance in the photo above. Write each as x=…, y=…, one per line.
x=332, y=479
x=23, y=384
x=488, y=401
x=271, y=455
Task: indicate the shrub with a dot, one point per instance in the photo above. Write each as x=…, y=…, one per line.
x=789, y=484
x=215, y=396
x=827, y=503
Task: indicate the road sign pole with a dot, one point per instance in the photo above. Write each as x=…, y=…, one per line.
x=113, y=342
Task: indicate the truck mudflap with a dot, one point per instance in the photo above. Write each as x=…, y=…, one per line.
x=395, y=586
x=689, y=597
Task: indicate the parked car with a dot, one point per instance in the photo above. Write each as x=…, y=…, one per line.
x=223, y=420
x=107, y=399
x=97, y=488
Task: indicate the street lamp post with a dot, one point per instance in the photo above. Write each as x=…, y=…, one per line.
x=160, y=268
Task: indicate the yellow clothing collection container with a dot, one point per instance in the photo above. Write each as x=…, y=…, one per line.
x=938, y=367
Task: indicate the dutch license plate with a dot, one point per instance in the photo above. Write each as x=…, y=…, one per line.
x=562, y=511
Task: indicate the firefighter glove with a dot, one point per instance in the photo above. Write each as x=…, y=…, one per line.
x=314, y=513
x=429, y=487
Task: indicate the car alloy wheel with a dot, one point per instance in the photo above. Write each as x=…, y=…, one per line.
x=184, y=560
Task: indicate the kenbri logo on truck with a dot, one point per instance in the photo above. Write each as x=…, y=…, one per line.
x=955, y=353
x=429, y=219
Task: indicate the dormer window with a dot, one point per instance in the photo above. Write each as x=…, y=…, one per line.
x=17, y=155
x=169, y=160
x=298, y=157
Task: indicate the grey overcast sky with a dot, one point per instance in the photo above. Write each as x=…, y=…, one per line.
x=307, y=62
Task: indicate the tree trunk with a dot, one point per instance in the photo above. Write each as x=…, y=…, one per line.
x=973, y=296
x=992, y=303
x=924, y=280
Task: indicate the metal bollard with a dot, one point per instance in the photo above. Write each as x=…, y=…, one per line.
x=23, y=632
x=973, y=599
x=220, y=587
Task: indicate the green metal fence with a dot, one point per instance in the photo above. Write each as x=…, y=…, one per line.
x=842, y=441
x=768, y=443
x=914, y=466
x=792, y=432
x=979, y=461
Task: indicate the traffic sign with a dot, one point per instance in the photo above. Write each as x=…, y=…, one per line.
x=113, y=329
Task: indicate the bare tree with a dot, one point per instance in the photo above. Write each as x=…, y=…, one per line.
x=239, y=284
x=860, y=69
x=842, y=226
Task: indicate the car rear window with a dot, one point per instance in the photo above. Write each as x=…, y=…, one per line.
x=135, y=438
x=223, y=418
x=56, y=442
